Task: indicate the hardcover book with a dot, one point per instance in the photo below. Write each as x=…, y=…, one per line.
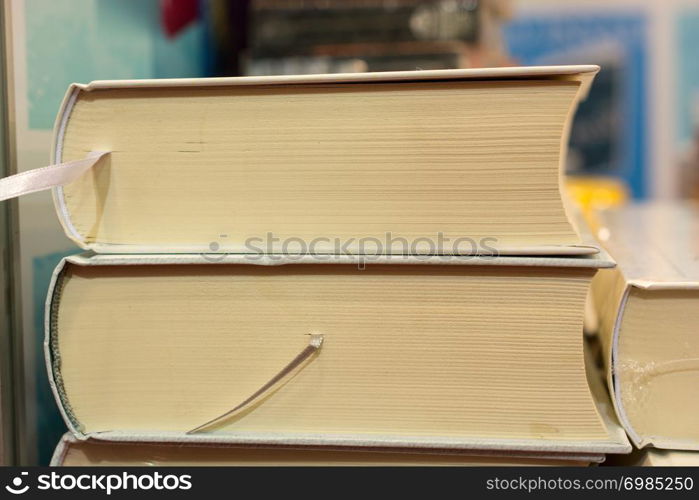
x=471, y=354
x=365, y=163
x=648, y=309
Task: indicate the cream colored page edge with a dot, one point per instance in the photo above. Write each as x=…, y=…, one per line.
x=584, y=74
x=617, y=443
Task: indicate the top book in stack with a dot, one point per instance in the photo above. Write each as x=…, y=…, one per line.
x=419, y=162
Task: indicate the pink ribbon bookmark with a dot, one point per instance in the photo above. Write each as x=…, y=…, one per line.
x=39, y=179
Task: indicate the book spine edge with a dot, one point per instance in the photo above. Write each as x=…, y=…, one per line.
x=50, y=349
x=60, y=125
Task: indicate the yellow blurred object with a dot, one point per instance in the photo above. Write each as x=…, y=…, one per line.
x=594, y=193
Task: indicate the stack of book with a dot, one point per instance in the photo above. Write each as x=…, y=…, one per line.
x=338, y=269
x=330, y=36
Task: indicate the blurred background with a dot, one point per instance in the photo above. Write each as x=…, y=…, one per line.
x=636, y=136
